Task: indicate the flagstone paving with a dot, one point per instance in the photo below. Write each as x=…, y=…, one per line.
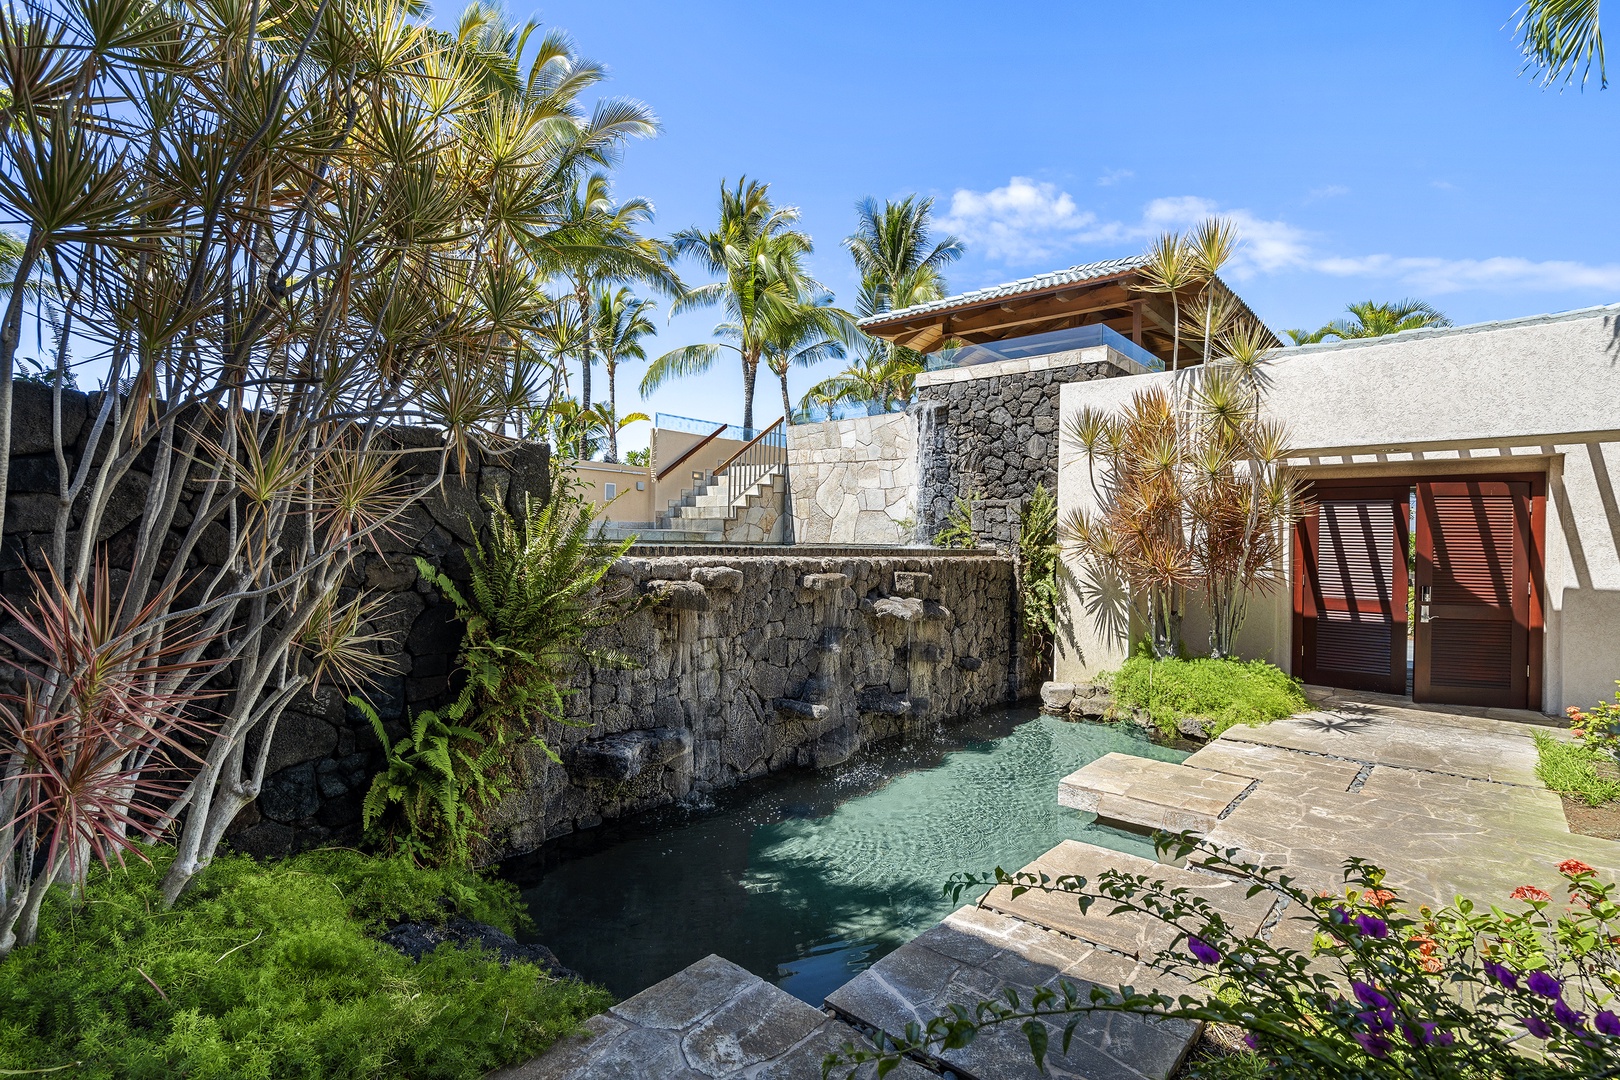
x=1445, y=800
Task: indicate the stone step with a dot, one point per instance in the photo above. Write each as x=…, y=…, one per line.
x=1138, y=936
x=1152, y=794
x=658, y=536
x=973, y=955
x=710, y=1021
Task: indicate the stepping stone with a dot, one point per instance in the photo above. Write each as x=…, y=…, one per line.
x=1152, y=794
x=1139, y=936
x=1468, y=746
x=1278, y=769
x=973, y=955
x=710, y=1021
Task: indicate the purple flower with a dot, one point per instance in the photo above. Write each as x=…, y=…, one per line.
x=1203, y=950
x=1536, y=1026
x=1502, y=974
x=1368, y=996
x=1444, y=1038
x=1372, y=1042
x=1575, y=1021
x=1254, y=1044
x=1607, y=1022
x=1544, y=984
x=1338, y=916
x=1372, y=926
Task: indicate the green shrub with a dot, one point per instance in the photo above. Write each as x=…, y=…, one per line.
x=1576, y=770
x=265, y=971
x=1226, y=692
x=1038, y=573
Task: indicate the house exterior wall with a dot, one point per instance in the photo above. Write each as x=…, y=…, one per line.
x=628, y=504
x=854, y=481
x=991, y=432
x=1529, y=395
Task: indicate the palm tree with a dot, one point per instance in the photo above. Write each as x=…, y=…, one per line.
x=1375, y=320
x=1559, y=37
x=619, y=325
x=597, y=242
x=803, y=339
x=890, y=249
x=759, y=254
x=899, y=268
x=884, y=382
x=1173, y=267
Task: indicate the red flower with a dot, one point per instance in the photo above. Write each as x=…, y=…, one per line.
x=1377, y=897
x=1531, y=893
x=1431, y=964
x=1573, y=867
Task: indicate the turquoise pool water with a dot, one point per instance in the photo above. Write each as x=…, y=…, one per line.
x=806, y=878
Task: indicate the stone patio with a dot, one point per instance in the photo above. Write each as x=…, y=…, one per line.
x=1445, y=800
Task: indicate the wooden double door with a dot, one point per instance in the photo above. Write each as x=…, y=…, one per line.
x=1468, y=550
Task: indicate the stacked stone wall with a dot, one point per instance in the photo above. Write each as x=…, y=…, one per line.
x=748, y=663
x=992, y=437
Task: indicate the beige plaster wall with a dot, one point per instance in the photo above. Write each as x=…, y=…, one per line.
x=1528, y=395
x=629, y=504
x=854, y=481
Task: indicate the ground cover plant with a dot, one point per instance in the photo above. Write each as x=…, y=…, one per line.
x=1224, y=692
x=1587, y=769
x=272, y=970
x=1386, y=990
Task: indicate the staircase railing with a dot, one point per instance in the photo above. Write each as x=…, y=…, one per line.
x=745, y=468
x=694, y=448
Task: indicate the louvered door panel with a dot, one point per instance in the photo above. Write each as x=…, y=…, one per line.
x=1473, y=587
x=1350, y=601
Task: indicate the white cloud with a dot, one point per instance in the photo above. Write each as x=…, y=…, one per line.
x=1329, y=191
x=1032, y=224
x=1025, y=221
x=1114, y=176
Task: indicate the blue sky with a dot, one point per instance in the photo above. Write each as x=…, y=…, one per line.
x=1368, y=150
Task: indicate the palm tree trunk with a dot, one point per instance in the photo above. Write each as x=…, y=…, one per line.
x=583, y=297
x=10, y=333
x=613, y=407
x=787, y=403
x=750, y=373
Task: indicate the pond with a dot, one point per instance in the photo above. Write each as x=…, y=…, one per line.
x=807, y=878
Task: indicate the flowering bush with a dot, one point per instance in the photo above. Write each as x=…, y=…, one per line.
x=1598, y=727
x=1526, y=991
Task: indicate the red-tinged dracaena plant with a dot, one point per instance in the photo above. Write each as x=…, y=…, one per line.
x=94, y=743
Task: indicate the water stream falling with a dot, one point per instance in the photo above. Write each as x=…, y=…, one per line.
x=806, y=878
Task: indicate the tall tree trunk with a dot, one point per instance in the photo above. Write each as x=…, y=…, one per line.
x=613, y=407
x=10, y=333
x=583, y=296
x=787, y=403
x=750, y=373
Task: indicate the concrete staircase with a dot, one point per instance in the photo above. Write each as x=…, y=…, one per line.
x=704, y=514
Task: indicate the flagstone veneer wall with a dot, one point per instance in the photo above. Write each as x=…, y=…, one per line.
x=854, y=481
x=752, y=663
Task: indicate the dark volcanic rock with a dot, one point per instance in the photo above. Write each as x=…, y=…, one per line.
x=417, y=939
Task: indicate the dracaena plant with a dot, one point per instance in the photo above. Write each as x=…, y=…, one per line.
x=278, y=235
x=1387, y=989
x=1191, y=492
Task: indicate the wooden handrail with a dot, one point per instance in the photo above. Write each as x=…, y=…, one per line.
x=749, y=445
x=694, y=448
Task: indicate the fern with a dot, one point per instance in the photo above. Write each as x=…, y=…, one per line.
x=1038, y=571
x=537, y=594
x=958, y=530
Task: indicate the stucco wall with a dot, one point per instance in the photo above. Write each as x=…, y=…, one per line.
x=1529, y=395
x=854, y=481
x=627, y=504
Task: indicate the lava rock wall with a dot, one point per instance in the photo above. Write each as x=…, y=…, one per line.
x=746, y=664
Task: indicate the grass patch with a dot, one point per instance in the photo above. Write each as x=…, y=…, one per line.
x=1226, y=692
x=269, y=971
x=1576, y=771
